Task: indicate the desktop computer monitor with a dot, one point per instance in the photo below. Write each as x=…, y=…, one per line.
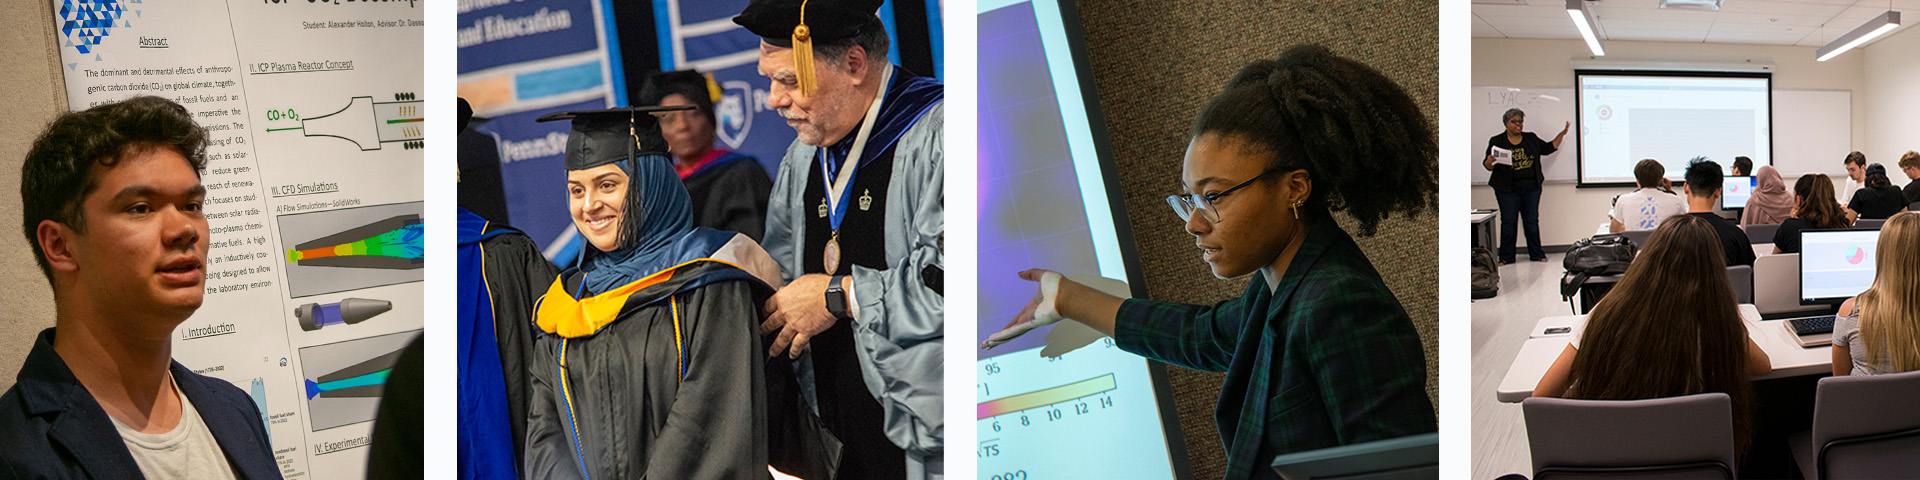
x=1836, y=264
x=1735, y=192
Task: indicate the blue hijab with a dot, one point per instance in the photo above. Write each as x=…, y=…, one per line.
x=656, y=230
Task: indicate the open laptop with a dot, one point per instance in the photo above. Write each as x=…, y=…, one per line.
x=1834, y=265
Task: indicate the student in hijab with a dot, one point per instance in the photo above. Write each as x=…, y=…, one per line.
x=1771, y=202
x=646, y=363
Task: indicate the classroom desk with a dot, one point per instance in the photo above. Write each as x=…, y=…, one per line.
x=1482, y=229
x=1789, y=358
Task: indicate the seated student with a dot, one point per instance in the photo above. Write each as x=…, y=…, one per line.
x=1879, y=198
x=1742, y=166
x=1856, y=164
x=1878, y=332
x=1670, y=328
x=1645, y=208
x=1771, y=202
x=1703, y=197
x=1910, y=165
x=1811, y=209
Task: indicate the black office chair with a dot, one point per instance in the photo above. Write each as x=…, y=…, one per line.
x=1741, y=277
x=1668, y=438
x=1760, y=233
x=1869, y=223
x=1639, y=237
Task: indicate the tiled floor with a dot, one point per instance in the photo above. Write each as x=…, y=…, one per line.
x=1528, y=292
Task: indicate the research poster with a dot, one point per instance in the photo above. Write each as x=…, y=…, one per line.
x=314, y=198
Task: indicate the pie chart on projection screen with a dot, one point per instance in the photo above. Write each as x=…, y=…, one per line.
x=1856, y=255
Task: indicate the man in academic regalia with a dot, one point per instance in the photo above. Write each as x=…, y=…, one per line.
x=646, y=363
x=729, y=190
x=855, y=220
x=502, y=273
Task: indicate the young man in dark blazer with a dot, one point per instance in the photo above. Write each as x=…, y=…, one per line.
x=113, y=209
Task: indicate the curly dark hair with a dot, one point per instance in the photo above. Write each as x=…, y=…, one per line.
x=58, y=172
x=1358, y=135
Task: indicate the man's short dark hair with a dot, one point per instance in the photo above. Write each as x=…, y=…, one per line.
x=1744, y=165
x=1703, y=177
x=1855, y=158
x=58, y=172
x=873, y=40
x=1648, y=173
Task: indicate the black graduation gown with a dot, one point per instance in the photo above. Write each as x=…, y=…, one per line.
x=516, y=273
x=671, y=386
x=730, y=194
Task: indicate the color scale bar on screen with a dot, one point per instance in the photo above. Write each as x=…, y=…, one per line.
x=1040, y=398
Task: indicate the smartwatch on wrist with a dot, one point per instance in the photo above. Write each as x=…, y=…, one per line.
x=836, y=297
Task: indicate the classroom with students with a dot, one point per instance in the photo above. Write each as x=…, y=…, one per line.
x=1696, y=240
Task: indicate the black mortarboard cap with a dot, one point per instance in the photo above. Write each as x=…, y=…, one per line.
x=828, y=20
x=601, y=137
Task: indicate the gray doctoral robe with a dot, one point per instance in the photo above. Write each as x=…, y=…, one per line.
x=899, y=327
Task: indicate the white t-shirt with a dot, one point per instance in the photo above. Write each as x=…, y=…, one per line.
x=1846, y=193
x=1645, y=208
x=189, y=451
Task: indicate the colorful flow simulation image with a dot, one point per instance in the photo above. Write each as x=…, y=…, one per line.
x=220, y=262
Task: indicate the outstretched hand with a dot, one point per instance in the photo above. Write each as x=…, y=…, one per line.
x=1039, y=312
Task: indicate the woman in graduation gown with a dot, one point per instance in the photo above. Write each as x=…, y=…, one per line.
x=646, y=362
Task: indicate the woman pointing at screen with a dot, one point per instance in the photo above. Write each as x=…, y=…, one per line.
x=1317, y=351
x=1514, y=158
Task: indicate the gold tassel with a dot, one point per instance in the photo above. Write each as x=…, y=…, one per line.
x=803, y=54
x=713, y=89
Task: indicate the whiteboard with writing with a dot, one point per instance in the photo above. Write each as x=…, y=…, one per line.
x=1547, y=111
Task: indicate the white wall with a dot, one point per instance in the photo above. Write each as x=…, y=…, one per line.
x=1568, y=214
x=1892, y=76
x=34, y=94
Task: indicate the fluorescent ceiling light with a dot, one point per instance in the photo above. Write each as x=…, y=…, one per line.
x=1583, y=20
x=1706, y=5
x=1880, y=25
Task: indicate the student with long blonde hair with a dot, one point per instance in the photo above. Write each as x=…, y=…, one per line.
x=1879, y=331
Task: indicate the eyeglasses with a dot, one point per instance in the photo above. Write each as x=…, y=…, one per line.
x=1185, y=205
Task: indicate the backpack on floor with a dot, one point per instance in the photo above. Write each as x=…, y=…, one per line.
x=1486, y=273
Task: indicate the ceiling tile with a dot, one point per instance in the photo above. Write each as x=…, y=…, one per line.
x=1813, y=9
x=1523, y=31
x=1752, y=38
x=1535, y=11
